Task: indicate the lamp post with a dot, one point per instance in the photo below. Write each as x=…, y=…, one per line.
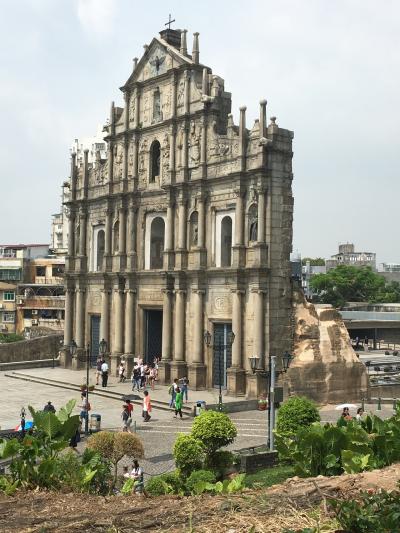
x=207, y=339
x=271, y=375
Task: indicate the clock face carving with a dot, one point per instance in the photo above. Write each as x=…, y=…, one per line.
x=157, y=62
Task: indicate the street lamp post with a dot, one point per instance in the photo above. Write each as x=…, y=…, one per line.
x=271, y=374
x=219, y=346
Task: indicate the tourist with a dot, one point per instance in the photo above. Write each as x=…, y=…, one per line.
x=359, y=415
x=73, y=443
x=85, y=408
x=104, y=374
x=129, y=406
x=172, y=392
x=137, y=475
x=126, y=419
x=146, y=406
x=49, y=408
x=121, y=372
x=151, y=377
x=184, y=387
x=143, y=375
x=136, y=377
x=99, y=362
x=178, y=402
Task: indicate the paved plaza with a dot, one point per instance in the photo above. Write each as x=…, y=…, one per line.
x=158, y=435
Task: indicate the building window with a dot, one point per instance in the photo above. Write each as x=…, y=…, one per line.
x=226, y=241
x=157, y=243
x=154, y=161
x=194, y=228
x=57, y=270
x=100, y=249
x=40, y=271
x=97, y=248
x=116, y=237
x=8, y=317
x=9, y=296
x=10, y=274
x=156, y=106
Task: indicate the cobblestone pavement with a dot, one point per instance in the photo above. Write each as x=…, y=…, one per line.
x=158, y=435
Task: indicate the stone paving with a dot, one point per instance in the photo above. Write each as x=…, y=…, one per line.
x=159, y=434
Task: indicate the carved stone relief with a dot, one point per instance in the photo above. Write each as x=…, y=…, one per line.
x=118, y=160
x=165, y=158
x=132, y=108
x=194, y=144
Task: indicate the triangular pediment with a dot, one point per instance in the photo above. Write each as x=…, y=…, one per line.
x=159, y=58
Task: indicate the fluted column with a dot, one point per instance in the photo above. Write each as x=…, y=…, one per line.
x=186, y=92
x=167, y=325
x=179, y=338
x=80, y=318
x=135, y=150
x=242, y=137
x=126, y=121
x=122, y=232
x=239, y=222
x=137, y=104
x=263, y=118
x=71, y=233
x=172, y=154
x=130, y=322
x=85, y=173
x=131, y=231
x=237, y=328
x=182, y=225
x=169, y=232
x=118, y=321
x=203, y=148
x=69, y=316
x=174, y=91
x=198, y=352
x=185, y=152
x=108, y=229
x=261, y=216
x=82, y=233
x=73, y=176
x=105, y=316
x=259, y=323
x=201, y=222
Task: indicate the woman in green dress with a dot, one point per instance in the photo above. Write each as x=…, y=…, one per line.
x=178, y=402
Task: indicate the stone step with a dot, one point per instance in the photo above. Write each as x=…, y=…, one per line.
x=112, y=395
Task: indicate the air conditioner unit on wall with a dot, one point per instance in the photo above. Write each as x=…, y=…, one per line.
x=34, y=322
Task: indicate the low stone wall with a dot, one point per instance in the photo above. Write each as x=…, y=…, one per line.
x=30, y=350
x=254, y=459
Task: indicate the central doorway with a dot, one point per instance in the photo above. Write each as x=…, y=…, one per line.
x=94, y=338
x=222, y=353
x=153, y=334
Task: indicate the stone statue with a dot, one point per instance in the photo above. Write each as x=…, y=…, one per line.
x=195, y=234
x=132, y=108
x=253, y=228
x=194, y=144
x=181, y=92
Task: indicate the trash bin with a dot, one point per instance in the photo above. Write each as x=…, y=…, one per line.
x=199, y=407
x=95, y=422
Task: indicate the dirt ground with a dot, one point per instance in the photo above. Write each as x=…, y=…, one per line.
x=297, y=503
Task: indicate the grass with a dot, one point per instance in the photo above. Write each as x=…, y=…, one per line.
x=269, y=476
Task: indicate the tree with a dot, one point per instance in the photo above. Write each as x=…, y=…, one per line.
x=115, y=446
x=354, y=284
x=314, y=261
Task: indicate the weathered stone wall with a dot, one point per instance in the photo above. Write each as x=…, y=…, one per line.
x=325, y=367
x=30, y=350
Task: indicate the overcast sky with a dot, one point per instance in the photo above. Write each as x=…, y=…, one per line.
x=330, y=71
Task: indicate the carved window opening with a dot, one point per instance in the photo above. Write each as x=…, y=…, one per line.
x=116, y=237
x=252, y=216
x=155, y=150
x=157, y=106
x=100, y=246
x=194, y=229
x=226, y=242
x=157, y=235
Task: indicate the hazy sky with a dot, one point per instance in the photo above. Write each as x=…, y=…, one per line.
x=330, y=71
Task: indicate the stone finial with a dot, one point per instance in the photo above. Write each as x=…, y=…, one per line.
x=242, y=122
x=263, y=118
x=204, y=85
x=112, y=113
x=145, y=47
x=135, y=62
x=273, y=120
x=195, y=49
x=183, y=49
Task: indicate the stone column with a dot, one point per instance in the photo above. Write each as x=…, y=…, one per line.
x=137, y=107
x=71, y=233
x=263, y=118
x=66, y=360
x=129, y=350
x=236, y=379
x=197, y=369
x=80, y=318
x=242, y=137
x=118, y=347
x=131, y=239
x=203, y=148
x=261, y=217
x=169, y=237
x=257, y=384
x=164, y=367
x=135, y=160
x=185, y=152
x=85, y=173
x=107, y=240
x=122, y=231
x=126, y=121
x=173, y=99
x=172, y=155
x=239, y=221
x=82, y=233
x=105, y=316
x=182, y=224
x=186, y=95
x=201, y=222
x=125, y=165
x=73, y=176
x=178, y=365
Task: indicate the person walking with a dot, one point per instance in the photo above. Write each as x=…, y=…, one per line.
x=136, y=378
x=178, y=402
x=146, y=406
x=152, y=377
x=126, y=419
x=49, y=408
x=104, y=374
x=85, y=408
x=99, y=362
x=142, y=375
x=172, y=392
x=121, y=372
x=184, y=387
x=129, y=405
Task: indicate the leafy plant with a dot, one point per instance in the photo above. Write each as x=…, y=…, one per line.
x=296, y=412
x=128, y=486
x=188, y=453
x=156, y=486
x=114, y=446
x=7, y=486
x=219, y=462
x=200, y=475
x=175, y=481
x=214, y=430
x=228, y=486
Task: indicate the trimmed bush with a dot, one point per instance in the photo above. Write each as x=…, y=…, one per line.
x=200, y=475
x=296, y=413
x=156, y=486
x=188, y=454
x=220, y=462
x=174, y=480
x=213, y=430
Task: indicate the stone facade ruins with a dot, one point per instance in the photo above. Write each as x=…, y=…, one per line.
x=185, y=227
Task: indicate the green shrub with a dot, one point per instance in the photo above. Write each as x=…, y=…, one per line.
x=188, y=453
x=199, y=475
x=220, y=462
x=174, y=480
x=296, y=413
x=213, y=430
x=156, y=486
x=10, y=337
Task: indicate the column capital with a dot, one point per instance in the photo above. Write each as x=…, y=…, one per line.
x=259, y=291
x=199, y=291
x=105, y=291
x=80, y=290
x=168, y=292
x=238, y=192
x=238, y=291
x=119, y=291
x=180, y=291
x=261, y=189
x=130, y=291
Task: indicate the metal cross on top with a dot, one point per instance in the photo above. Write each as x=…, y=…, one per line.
x=169, y=22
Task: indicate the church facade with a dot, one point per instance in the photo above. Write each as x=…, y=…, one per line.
x=185, y=228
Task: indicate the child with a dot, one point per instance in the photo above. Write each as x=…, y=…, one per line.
x=146, y=406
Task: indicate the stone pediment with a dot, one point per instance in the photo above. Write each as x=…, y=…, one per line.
x=158, y=59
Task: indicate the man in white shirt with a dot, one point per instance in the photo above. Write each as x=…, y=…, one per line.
x=104, y=374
